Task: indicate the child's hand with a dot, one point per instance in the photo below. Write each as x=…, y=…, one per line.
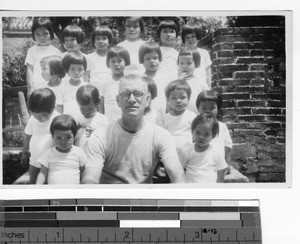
x=89, y=130
x=228, y=170
x=182, y=76
x=25, y=158
x=29, y=91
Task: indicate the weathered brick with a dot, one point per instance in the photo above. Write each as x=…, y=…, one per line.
x=250, y=118
x=227, y=60
x=248, y=74
x=246, y=165
x=229, y=118
x=269, y=53
x=275, y=118
x=241, y=53
x=248, y=132
x=234, y=126
x=272, y=169
x=258, y=67
x=256, y=52
x=232, y=67
x=236, y=111
x=238, y=139
x=234, y=82
x=276, y=60
x=267, y=125
x=228, y=104
x=271, y=177
x=222, y=46
x=249, y=60
x=224, y=53
x=243, y=151
x=276, y=103
x=257, y=82
x=255, y=139
x=250, y=89
x=280, y=139
x=251, y=103
x=266, y=111
x=229, y=38
x=269, y=96
x=233, y=96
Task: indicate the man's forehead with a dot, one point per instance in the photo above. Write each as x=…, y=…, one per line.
x=133, y=84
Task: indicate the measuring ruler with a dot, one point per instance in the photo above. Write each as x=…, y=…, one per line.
x=109, y=221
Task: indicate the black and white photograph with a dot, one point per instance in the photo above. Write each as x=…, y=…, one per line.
x=145, y=99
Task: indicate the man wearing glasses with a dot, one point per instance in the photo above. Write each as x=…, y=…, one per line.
x=128, y=150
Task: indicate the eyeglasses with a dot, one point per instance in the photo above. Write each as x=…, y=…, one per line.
x=138, y=95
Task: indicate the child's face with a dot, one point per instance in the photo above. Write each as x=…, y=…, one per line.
x=178, y=101
x=191, y=40
x=71, y=44
x=132, y=29
x=167, y=36
x=76, y=71
x=151, y=61
x=117, y=65
x=42, y=36
x=46, y=72
x=63, y=139
x=42, y=117
x=202, y=136
x=101, y=42
x=186, y=65
x=208, y=107
x=89, y=110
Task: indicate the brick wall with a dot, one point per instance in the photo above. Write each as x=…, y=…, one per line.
x=249, y=69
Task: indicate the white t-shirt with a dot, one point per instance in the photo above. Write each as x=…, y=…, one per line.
x=133, y=49
x=63, y=168
x=67, y=97
x=201, y=167
x=197, y=84
x=109, y=91
x=222, y=140
x=205, y=62
x=180, y=128
x=169, y=61
x=97, y=67
x=41, y=138
x=125, y=157
x=86, y=126
x=34, y=56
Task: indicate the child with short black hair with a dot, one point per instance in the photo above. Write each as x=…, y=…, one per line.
x=134, y=30
x=167, y=32
x=88, y=100
x=43, y=34
x=37, y=136
x=63, y=163
x=74, y=64
x=201, y=161
x=102, y=38
x=187, y=62
x=210, y=101
x=52, y=71
x=190, y=36
x=117, y=59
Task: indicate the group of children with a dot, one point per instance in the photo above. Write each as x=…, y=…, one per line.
x=71, y=94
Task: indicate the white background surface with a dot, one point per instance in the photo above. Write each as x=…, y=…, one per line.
x=280, y=207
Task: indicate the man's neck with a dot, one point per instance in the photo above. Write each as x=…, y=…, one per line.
x=131, y=125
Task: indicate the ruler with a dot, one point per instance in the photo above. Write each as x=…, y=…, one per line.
x=129, y=221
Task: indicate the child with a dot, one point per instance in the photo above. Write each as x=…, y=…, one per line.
x=187, y=62
x=190, y=36
x=134, y=29
x=74, y=64
x=178, y=121
x=209, y=101
x=167, y=32
x=150, y=56
x=63, y=163
x=202, y=163
x=88, y=100
x=53, y=72
x=151, y=114
x=102, y=39
x=117, y=59
x=73, y=37
x=43, y=34
x=37, y=136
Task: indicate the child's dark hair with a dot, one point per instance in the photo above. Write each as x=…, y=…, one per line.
x=149, y=47
x=178, y=85
x=63, y=122
x=194, y=54
x=190, y=29
x=73, y=31
x=167, y=24
x=55, y=65
x=42, y=22
x=86, y=94
x=119, y=52
x=73, y=58
x=138, y=19
x=206, y=118
x=152, y=89
x=42, y=100
x=103, y=30
x=210, y=96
